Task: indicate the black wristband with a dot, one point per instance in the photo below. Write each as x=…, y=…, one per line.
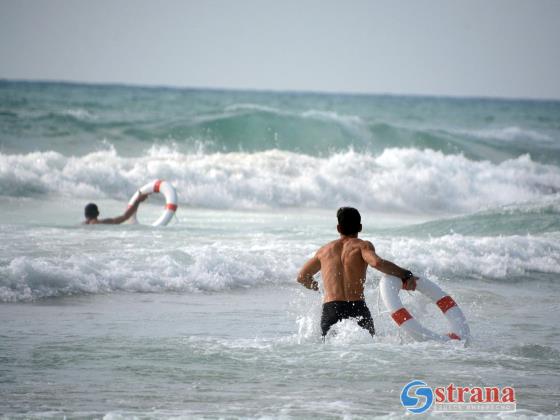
x=408, y=274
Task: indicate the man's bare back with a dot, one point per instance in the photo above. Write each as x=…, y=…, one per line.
x=343, y=264
x=343, y=269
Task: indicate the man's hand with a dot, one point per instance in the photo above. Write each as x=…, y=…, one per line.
x=141, y=197
x=309, y=269
x=410, y=284
x=308, y=281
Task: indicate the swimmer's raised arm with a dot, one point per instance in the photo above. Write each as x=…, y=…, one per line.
x=127, y=214
x=309, y=269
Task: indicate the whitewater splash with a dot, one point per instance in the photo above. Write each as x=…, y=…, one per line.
x=403, y=180
x=166, y=264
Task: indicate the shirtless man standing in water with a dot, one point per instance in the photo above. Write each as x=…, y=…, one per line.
x=343, y=265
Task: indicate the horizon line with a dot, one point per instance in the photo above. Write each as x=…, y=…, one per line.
x=277, y=91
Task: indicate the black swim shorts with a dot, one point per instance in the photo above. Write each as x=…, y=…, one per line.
x=338, y=310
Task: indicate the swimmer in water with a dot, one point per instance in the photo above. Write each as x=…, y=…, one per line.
x=91, y=213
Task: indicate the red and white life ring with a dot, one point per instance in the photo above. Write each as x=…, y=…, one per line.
x=158, y=186
x=390, y=286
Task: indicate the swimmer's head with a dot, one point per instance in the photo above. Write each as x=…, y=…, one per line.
x=91, y=211
x=349, y=221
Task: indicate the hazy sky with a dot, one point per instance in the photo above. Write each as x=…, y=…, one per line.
x=505, y=48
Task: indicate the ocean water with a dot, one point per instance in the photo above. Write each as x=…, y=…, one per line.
x=203, y=317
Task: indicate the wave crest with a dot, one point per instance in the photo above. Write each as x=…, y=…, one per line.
x=403, y=180
x=167, y=266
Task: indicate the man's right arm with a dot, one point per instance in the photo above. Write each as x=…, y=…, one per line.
x=309, y=269
x=387, y=267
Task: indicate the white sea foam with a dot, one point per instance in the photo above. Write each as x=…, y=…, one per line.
x=167, y=265
x=309, y=113
x=506, y=133
x=350, y=122
x=154, y=267
x=79, y=113
x=501, y=257
x=255, y=107
x=403, y=180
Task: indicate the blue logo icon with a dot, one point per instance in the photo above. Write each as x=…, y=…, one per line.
x=417, y=397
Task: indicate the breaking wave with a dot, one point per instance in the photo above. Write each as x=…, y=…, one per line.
x=167, y=266
x=402, y=180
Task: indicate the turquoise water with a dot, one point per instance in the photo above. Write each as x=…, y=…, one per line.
x=203, y=317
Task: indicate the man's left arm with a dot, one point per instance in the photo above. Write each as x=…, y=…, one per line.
x=388, y=267
x=127, y=214
x=309, y=269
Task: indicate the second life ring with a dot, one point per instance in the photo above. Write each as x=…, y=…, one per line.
x=158, y=186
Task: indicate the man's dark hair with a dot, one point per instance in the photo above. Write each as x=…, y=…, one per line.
x=91, y=211
x=349, y=220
